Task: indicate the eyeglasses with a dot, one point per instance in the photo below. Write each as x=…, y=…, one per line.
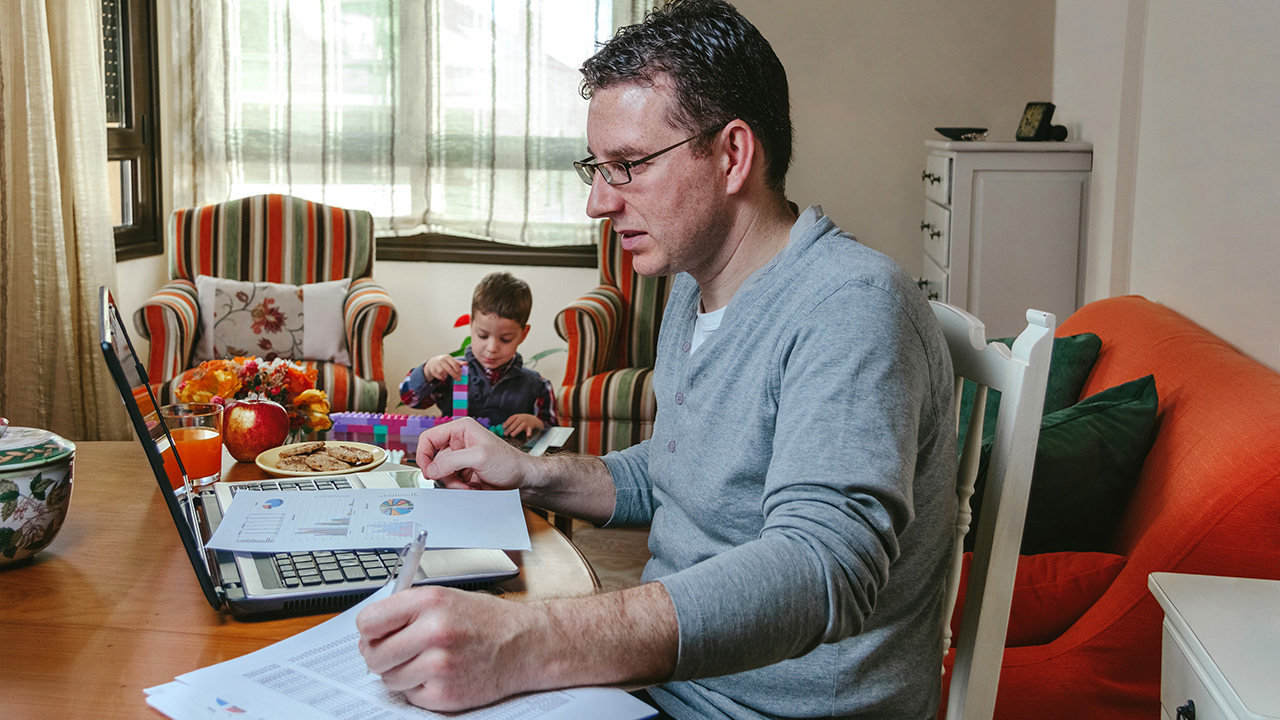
x=618, y=172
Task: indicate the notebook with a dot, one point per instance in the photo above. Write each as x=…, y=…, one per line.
x=255, y=585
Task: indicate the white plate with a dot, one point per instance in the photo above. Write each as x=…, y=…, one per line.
x=267, y=460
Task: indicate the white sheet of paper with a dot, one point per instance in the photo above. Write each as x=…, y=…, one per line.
x=320, y=674
x=268, y=521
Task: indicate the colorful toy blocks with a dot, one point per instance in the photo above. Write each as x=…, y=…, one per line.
x=460, y=394
x=389, y=431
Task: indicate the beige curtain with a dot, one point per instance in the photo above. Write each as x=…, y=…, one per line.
x=56, y=240
x=459, y=117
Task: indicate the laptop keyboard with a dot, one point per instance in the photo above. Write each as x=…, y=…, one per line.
x=321, y=567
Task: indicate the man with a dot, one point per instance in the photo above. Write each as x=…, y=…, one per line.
x=799, y=484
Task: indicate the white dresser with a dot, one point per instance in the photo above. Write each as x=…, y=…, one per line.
x=1004, y=228
x=1220, y=654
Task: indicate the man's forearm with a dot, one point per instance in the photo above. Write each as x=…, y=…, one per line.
x=626, y=638
x=575, y=485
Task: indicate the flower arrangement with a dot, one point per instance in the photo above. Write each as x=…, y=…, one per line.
x=280, y=380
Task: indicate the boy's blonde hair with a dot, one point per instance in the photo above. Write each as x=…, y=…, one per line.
x=504, y=295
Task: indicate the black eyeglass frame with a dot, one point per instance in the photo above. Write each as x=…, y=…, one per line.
x=587, y=169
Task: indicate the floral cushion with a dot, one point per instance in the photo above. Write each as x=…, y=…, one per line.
x=265, y=319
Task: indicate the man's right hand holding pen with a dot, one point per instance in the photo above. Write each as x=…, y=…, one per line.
x=449, y=649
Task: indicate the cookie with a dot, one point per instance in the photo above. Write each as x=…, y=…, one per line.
x=355, y=456
x=324, y=462
x=293, y=464
x=301, y=449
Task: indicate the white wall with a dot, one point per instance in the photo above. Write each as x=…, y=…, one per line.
x=869, y=82
x=1184, y=155
x=871, y=79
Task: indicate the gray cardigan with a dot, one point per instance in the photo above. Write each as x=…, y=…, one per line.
x=799, y=486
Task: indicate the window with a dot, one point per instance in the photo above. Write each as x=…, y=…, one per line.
x=128, y=39
x=455, y=122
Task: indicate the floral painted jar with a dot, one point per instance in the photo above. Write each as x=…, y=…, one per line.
x=35, y=490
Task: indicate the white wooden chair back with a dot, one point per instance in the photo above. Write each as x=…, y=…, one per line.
x=1020, y=375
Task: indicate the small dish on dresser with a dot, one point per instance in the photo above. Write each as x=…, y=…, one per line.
x=963, y=133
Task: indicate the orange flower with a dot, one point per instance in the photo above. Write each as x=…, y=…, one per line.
x=313, y=406
x=213, y=378
x=289, y=383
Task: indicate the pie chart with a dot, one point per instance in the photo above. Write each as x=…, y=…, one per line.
x=396, y=507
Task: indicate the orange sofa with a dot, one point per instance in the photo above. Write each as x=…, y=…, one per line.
x=1207, y=501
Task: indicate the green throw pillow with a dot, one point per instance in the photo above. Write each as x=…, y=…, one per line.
x=1087, y=462
x=1070, y=362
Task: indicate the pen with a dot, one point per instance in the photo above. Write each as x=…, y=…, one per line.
x=409, y=559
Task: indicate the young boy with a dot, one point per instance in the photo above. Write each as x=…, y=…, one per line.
x=499, y=388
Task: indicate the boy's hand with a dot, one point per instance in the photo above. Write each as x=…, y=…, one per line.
x=521, y=424
x=441, y=366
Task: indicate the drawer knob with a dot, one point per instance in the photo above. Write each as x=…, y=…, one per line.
x=1187, y=712
x=935, y=233
x=930, y=177
x=925, y=226
x=923, y=284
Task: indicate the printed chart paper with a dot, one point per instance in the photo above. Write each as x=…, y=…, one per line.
x=267, y=521
x=319, y=674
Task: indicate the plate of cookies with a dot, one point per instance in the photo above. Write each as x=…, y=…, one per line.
x=321, y=457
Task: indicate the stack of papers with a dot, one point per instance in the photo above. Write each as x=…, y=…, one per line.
x=319, y=674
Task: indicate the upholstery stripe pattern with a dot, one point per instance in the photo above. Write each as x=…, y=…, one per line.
x=590, y=326
x=645, y=298
x=170, y=320
x=612, y=410
x=271, y=238
x=612, y=331
x=282, y=239
x=369, y=314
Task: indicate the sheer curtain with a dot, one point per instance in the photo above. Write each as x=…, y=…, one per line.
x=459, y=117
x=56, y=242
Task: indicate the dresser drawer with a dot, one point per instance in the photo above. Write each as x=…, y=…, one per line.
x=934, y=281
x=937, y=178
x=936, y=231
x=1180, y=681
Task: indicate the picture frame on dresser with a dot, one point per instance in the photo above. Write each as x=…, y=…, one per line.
x=1035, y=124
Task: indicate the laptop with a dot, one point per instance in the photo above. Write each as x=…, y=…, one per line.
x=260, y=585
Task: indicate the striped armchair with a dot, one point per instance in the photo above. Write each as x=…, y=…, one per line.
x=281, y=239
x=612, y=331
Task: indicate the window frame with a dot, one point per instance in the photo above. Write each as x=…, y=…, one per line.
x=438, y=247
x=137, y=141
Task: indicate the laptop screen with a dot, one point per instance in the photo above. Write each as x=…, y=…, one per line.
x=131, y=381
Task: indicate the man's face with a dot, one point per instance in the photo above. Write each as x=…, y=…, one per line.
x=494, y=339
x=672, y=216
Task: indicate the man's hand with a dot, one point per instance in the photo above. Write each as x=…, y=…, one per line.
x=442, y=366
x=463, y=454
x=451, y=650
x=521, y=424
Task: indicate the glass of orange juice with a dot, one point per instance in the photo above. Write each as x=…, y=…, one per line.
x=196, y=429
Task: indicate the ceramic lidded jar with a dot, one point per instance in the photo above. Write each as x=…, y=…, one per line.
x=35, y=490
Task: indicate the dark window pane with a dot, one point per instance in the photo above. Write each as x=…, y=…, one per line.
x=113, y=52
x=133, y=160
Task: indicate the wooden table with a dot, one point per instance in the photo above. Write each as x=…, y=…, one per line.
x=112, y=605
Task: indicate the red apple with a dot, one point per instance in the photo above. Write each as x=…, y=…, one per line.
x=253, y=425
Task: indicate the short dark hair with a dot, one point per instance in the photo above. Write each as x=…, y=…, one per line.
x=722, y=68
x=504, y=295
